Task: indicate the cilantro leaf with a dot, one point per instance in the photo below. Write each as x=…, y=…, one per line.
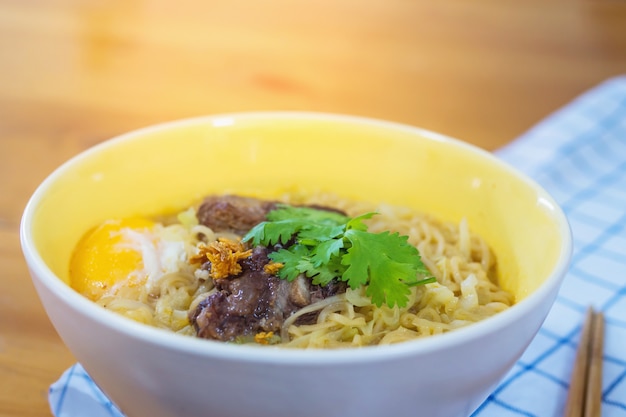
x=324, y=274
x=256, y=235
x=324, y=251
x=387, y=260
x=286, y=221
x=311, y=215
x=321, y=232
x=357, y=222
x=326, y=245
x=295, y=260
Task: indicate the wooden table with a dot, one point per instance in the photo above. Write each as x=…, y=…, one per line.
x=76, y=72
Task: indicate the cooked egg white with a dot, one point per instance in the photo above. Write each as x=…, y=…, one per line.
x=131, y=252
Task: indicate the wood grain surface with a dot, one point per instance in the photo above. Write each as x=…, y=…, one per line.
x=76, y=72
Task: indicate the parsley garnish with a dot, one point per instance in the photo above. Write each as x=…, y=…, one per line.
x=325, y=245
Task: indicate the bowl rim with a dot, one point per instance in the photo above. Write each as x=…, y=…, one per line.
x=274, y=355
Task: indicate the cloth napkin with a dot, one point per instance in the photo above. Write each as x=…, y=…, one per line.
x=579, y=155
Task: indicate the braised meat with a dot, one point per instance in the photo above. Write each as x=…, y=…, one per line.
x=255, y=301
x=252, y=300
x=233, y=213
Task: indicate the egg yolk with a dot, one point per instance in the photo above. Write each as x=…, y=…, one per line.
x=103, y=258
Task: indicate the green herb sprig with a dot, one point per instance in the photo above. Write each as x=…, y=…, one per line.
x=326, y=245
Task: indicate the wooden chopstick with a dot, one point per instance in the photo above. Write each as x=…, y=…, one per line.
x=593, y=397
x=585, y=391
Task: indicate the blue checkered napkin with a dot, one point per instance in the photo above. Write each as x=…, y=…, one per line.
x=579, y=155
x=76, y=395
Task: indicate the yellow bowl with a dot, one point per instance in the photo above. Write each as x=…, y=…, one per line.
x=169, y=166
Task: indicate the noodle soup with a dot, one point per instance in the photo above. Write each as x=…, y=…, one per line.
x=149, y=369
x=188, y=274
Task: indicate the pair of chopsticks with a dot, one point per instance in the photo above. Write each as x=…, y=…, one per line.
x=585, y=391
